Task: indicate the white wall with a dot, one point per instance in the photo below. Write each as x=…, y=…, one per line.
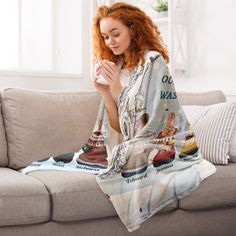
x=212, y=47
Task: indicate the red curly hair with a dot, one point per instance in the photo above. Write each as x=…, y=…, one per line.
x=145, y=34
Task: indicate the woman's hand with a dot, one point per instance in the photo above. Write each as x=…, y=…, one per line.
x=110, y=72
x=101, y=88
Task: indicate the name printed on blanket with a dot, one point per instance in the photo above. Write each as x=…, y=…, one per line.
x=133, y=179
x=167, y=94
x=130, y=180
x=58, y=164
x=35, y=164
x=87, y=168
x=164, y=167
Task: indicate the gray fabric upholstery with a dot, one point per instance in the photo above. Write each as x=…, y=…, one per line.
x=65, y=203
x=41, y=124
x=77, y=196
x=218, y=190
x=201, y=98
x=23, y=199
x=220, y=222
x=3, y=143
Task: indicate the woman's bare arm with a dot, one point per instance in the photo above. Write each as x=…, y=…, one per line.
x=112, y=112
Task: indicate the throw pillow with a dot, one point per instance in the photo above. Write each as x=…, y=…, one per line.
x=213, y=126
x=232, y=151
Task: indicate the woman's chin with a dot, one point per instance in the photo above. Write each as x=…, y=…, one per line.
x=116, y=52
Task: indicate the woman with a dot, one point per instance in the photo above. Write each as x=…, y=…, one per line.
x=143, y=173
x=124, y=40
x=122, y=34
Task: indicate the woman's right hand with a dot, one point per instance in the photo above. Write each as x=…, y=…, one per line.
x=101, y=88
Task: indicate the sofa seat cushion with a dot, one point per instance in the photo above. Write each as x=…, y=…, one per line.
x=218, y=190
x=23, y=199
x=77, y=196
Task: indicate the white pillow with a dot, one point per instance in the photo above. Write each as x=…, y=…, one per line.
x=213, y=126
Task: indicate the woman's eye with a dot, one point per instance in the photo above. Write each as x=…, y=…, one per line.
x=116, y=35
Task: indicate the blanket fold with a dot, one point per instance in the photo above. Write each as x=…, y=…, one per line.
x=158, y=160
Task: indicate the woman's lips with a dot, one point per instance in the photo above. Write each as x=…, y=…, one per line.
x=114, y=48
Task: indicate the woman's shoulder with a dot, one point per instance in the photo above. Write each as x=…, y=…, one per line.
x=151, y=56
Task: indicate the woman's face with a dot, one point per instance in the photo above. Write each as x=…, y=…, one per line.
x=116, y=35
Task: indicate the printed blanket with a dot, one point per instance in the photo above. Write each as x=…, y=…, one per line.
x=157, y=161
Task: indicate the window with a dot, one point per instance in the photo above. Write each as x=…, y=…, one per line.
x=45, y=36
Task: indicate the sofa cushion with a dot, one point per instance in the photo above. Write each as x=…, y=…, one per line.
x=77, y=196
x=23, y=199
x=40, y=124
x=3, y=143
x=213, y=126
x=216, y=191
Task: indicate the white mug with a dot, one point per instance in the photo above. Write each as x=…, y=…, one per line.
x=100, y=79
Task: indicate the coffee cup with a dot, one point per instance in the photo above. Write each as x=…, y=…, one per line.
x=100, y=79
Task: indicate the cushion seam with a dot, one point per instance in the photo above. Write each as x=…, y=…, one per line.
x=41, y=195
x=206, y=203
x=60, y=193
x=29, y=217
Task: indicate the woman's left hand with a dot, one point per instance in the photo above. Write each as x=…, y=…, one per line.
x=110, y=72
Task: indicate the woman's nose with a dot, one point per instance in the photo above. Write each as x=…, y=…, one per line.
x=111, y=41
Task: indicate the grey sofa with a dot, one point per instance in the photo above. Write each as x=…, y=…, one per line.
x=38, y=124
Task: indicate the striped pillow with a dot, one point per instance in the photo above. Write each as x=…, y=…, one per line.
x=232, y=151
x=213, y=126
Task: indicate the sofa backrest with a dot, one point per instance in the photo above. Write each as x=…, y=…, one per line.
x=3, y=143
x=40, y=124
x=201, y=98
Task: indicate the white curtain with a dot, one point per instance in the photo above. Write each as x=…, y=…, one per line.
x=104, y=2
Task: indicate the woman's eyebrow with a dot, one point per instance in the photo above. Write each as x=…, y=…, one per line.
x=110, y=30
